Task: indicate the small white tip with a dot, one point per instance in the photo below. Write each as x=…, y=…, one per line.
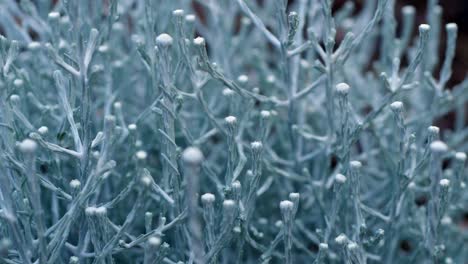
x=43, y=130
x=286, y=205
x=230, y=119
x=444, y=182
x=192, y=155
x=342, y=88
x=208, y=198
x=439, y=146
x=75, y=184
x=28, y=146
x=396, y=106
x=199, y=41
x=141, y=155
x=340, y=178
x=461, y=156
x=164, y=40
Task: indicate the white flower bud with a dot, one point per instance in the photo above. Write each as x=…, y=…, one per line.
x=265, y=114
x=178, y=13
x=75, y=184
x=451, y=27
x=396, y=106
x=132, y=127
x=340, y=178
x=190, y=18
x=438, y=147
x=460, y=156
x=323, y=246
x=18, y=83
x=444, y=183
x=341, y=239
x=355, y=164
x=270, y=78
x=229, y=204
x=423, y=28
x=243, y=79
x=342, y=88
x=286, y=206
x=408, y=10
x=90, y=211
x=199, y=41
x=433, y=130
x=14, y=98
x=192, y=155
x=27, y=146
x=352, y=246
x=294, y=196
x=141, y=155
x=54, y=15
x=43, y=130
x=101, y=211
x=34, y=45
x=164, y=40
x=228, y=92
x=208, y=198
x=118, y=105
x=256, y=145
x=231, y=120
x=146, y=181
x=154, y=241
x=103, y=48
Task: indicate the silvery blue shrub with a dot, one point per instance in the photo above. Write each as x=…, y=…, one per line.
x=140, y=131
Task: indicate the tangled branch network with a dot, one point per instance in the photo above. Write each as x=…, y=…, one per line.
x=230, y=131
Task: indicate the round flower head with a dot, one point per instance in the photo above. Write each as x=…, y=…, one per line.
x=190, y=18
x=229, y=205
x=444, y=183
x=396, y=106
x=265, y=114
x=461, y=156
x=101, y=211
x=34, y=45
x=90, y=211
x=178, y=13
x=424, y=28
x=228, y=92
x=192, y=155
x=433, y=130
x=199, y=41
x=146, y=181
x=18, y=82
x=323, y=246
x=132, y=127
x=154, y=241
x=243, y=79
x=286, y=205
x=256, y=145
x=118, y=105
x=208, y=198
x=340, y=178
x=342, y=88
x=230, y=120
x=27, y=146
x=341, y=239
x=75, y=184
x=164, y=40
x=408, y=10
x=141, y=155
x=355, y=164
x=54, y=15
x=438, y=147
x=352, y=246
x=43, y=130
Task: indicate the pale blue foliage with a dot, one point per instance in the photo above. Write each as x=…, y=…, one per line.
x=229, y=131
